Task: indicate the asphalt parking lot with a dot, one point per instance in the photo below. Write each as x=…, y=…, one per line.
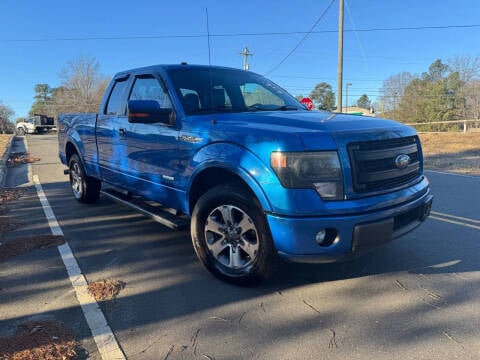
x=417, y=297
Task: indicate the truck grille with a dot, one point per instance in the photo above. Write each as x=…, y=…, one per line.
x=382, y=164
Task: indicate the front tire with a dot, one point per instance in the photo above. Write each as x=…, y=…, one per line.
x=85, y=189
x=231, y=236
x=20, y=131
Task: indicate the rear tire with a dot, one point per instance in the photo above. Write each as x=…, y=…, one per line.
x=86, y=189
x=231, y=236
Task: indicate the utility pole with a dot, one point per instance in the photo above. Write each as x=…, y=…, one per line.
x=340, y=57
x=246, y=53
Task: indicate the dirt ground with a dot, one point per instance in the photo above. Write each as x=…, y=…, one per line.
x=456, y=152
x=4, y=139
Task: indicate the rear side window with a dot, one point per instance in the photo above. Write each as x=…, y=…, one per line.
x=116, y=104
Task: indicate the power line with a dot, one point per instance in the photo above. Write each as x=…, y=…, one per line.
x=364, y=56
x=194, y=36
x=303, y=38
x=324, y=78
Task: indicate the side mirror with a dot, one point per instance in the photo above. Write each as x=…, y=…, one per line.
x=149, y=112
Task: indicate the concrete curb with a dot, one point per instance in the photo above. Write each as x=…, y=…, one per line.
x=3, y=163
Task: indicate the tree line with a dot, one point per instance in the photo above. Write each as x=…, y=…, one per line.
x=324, y=98
x=446, y=91
x=6, y=113
x=81, y=90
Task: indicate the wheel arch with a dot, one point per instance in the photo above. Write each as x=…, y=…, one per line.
x=70, y=149
x=214, y=175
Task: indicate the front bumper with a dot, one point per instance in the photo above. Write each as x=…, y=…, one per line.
x=294, y=238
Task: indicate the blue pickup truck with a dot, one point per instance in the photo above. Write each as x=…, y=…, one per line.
x=256, y=175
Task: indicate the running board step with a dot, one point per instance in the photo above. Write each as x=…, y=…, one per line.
x=157, y=212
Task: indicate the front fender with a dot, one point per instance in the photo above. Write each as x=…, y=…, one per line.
x=239, y=161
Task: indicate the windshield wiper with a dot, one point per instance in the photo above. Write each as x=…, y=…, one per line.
x=289, y=107
x=258, y=107
x=269, y=107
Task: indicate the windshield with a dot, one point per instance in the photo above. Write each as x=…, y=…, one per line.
x=214, y=90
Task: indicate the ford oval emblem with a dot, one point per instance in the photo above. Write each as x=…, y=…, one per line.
x=402, y=161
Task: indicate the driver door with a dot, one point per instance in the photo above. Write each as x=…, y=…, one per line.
x=151, y=163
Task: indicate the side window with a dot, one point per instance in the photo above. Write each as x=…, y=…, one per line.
x=220, y=97
x=116, y=105
x=190, y=100
x=214, y=99
x=148, y=88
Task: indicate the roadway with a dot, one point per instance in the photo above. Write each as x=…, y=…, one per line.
x=417, y=297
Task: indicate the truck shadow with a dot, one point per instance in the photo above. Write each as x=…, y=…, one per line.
x=166, y=284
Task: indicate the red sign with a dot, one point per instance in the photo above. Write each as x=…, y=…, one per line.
x=307, y=102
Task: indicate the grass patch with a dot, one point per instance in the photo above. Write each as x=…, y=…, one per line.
x=449, y=143
x=456, y=152
x=48, y=340
x=4, y=140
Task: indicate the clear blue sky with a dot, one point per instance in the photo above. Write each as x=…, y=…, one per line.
x=38, y=38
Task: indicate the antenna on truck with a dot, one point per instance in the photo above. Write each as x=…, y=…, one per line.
x=209, y=61
x=208, y=37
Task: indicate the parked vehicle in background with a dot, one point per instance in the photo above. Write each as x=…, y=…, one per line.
x=257, y=175
x=36, y=124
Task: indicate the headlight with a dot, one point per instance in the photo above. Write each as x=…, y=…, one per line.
x=310, y=170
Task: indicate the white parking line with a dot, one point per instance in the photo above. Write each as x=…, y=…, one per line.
x=455, y=222
x=453, y=174
x=102, y=334
x=456, y=217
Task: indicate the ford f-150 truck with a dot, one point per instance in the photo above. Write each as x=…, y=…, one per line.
x=257, y=175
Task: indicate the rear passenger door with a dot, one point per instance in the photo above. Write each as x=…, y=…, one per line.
x=111, y=125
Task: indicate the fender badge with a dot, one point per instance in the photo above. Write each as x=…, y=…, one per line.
x=190, y=139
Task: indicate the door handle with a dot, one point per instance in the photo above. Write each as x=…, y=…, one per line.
x=122, y=132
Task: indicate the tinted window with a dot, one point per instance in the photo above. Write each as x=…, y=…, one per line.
x=116, y=103
x=148, y=88
x=213, y=90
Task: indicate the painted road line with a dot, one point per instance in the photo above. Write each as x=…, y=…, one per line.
x=453, y=174
x=456, y=217
x=454, y=222
x=102, y=334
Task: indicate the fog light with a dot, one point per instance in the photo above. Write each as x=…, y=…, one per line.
x=321, y=235
x=327, y=237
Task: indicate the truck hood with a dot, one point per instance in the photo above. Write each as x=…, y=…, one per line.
x=305, y=130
